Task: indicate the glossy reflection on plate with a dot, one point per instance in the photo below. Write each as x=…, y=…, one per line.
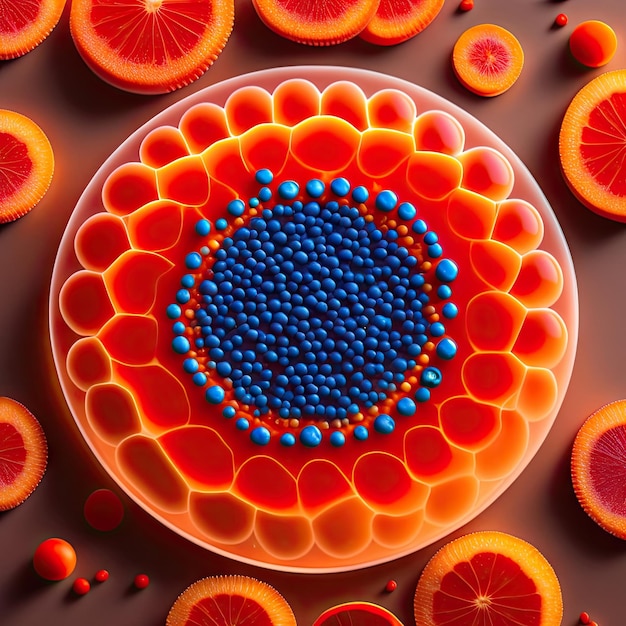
x=313, y=319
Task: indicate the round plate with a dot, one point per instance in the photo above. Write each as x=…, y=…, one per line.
x=457, y=416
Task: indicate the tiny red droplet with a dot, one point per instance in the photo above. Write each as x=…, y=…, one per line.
x=561, y=19
x=101, y=575
x=141, y=581
x=584, y=618
x=466, y=5
x=81, y=586
x=392, y=585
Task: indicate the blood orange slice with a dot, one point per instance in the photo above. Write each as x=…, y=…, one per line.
x=316, y=22
x=487, y=578
x=24, y=25
x=599, y=467
x=23, y=453
x=592, y=145
x=399, y=20
x=361, y=613
x=230, y=601
x=150, y=46
x=26, y=165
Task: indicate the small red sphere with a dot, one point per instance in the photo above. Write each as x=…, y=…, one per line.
x=101, y=575
x=54, y=559
x=466, y=5
x=560, y=19
x=81, y=586
x=391, y=585
x=141, y=581
x=584, y=618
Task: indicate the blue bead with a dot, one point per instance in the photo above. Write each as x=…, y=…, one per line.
x=446, y=270
x=407, y=211
x=199, y=379
x=406, y=406
x=360, y=194
x=420, y=227
x=450, y=310
x=242, y=424
x=384, y=424
x=315, y=188
x=437, y=329
x=288, y=190
x=193, y=260
x=422, y=394
x=260, y=435
x=180, y=345
x=264, y=176
x=444, y=292
x=434, y=251
x=446, y=349
x=361, y=433
x=183, y=296
x=190, y=366
x=221, y=223
x=236, y=207
x=215, y=394
x=229, y=412
x=287, y=440
x=173, y=311
x=311, y=436
x=431, y=377
x=337, y=438
x=265, y=194
x=188, y=281
x=430, y=237
x=340, y=187
x=178, y=328
x=203, y=227
x=224, y=368
x=386, y=200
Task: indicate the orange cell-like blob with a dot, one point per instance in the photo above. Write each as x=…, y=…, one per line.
x=320, y=482
x=346, y=100
x=451, y=500
x=496, y=263
x=162, y=146
x=294, y=101
x=201, y=455
x=150, y=473
x=266, y=146
x=382, y=151
x=100, y=240
x=156, y=226
x=185, y=181
x=487, y=172
x=538, y=395
x=345, y=529
x=492, y=376
x=222, y=517
x=493, y=320
x=384, y=484
x=247, y=107
x=326, y=144
x=396, y=531
x=390, y=108
x=438, y=131
x=129, y=187
x=202, y=125
x=159, y=394
x=284, y=536
x=469, y=424
x=264, y=482
x=84, y=302
x=111, y=412
x=505, y=452
x=224, y=163
x=88, y=363
x=132, y=280
x=519, y=225
x=540, y=280
x=433, y=175
x=130, y=339
x=427, y=452
x=471, y=215
x=542, y=340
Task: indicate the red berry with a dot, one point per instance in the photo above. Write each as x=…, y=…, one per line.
x=584, y=618
x=54, y=559
x=81, y=586
x=101, y=575
x=466, y=5
x=391, y=585
x=560, y=19
x=141, y=581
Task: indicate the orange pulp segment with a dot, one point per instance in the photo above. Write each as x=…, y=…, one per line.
x=26, y=165
x=592, y=142
x=316, y=22
x=23, y=453
x=24, y=25
x=151, y=46
x=399, y=20
x=598, y=462
x=362, y=613
x=488, y=577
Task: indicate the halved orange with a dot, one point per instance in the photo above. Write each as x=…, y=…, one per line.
x=230, y=601
x=599, y=467
x=399, y=20
x=486, y=578
x=592, y=145
x=23, y=453
x=353, y=613
x=24, y=25
x=316, y=22
x=150, y=46
x=26, y=165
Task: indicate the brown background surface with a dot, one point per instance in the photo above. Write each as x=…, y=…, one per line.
x=86, y=120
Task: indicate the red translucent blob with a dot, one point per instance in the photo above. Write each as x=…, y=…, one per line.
x=436, y=131
x=13, y=453
x=519, y=225
x=540, y=280
x=88, y=363
x=248, y=107
x=433, y=175
x=185, y=181
x=264, y=481
x=130, y=339
x=492, y=377
x=202, y=125
x=222, y=516
x=381, y=478
x=111, y=412
x=346, y=100
x=103, y=510
x=294, y=101
x=497, y=264
x=468, y=423
x=156, y=226
x=162, y=145
x=382, y=151
x=266, y=147
x=284, y=536
x=389, y=108
x=129, y=187
x=542, y=340
x=487, y=172
x=321, y=481
x=224, y=164
x=427, y=451
x=100, y=240
x=471, y=215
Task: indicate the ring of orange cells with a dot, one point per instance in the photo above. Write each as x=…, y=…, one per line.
x=242, y=453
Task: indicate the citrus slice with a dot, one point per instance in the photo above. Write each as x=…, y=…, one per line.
x=23, y=453
x=150, y=46
x=399, y=20
x=26, y=165
x=599, y=467
x=361, y=613
x=230, y=601
x=488, y=577
x=592, y=145
x=487, y=59
x=316, y=22
x=24, y=25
